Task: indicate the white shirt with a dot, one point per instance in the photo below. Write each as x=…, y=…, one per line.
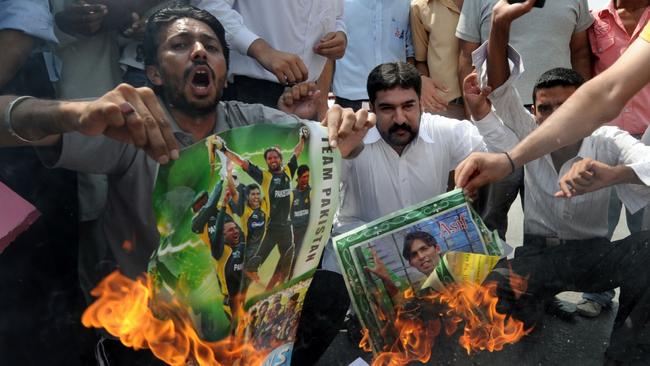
x=580, y=217
x=379, y=181
x=378, y=32
x=293, y=26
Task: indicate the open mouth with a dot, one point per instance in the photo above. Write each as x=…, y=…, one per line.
x=200, y=81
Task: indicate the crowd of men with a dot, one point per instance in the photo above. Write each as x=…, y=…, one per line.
x=421, y=89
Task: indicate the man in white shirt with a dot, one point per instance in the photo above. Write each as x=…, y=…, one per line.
x=404, y=160
x=276, y=43
x=565, y=245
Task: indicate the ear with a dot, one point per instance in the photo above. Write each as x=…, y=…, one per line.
x=532, y=109
x=154, y=75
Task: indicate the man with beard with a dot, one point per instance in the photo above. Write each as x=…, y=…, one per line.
x=186, y=58
x=276, y=184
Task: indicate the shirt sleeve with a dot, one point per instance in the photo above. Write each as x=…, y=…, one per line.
x=624, y=149
x=419, y=35
x=497, y=136
x=98, y=155
x=585, y=19
x=238, y=36
x=505, y=99
x=292, y=165
x=469, y=23
x=340, y=23
x=255, y=172
x=33, y=17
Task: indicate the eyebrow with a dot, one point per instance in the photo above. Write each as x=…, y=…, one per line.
x=410, y=101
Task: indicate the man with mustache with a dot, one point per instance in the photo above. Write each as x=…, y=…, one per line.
x=186, y=62
x=404, y=160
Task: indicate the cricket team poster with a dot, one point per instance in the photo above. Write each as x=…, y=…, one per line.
x=244, y=216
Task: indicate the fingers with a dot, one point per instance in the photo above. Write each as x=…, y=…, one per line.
x=348, y=121
x=332, y=121
x=135, y=116
x=162, y=124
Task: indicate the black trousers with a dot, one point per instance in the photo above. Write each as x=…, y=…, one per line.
x=592, y=265
x=322, y=316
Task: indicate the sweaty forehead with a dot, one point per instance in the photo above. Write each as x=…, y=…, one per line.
x=189, y=26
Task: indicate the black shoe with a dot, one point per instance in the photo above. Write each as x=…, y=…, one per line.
x=564, y=310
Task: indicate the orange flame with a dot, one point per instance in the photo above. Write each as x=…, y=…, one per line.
x=420, y=319
x=122, y=308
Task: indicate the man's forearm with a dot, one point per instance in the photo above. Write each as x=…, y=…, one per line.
x=498, y=69
x=38, y=120
x=596, y=102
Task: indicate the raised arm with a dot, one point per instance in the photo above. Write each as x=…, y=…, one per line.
x=503, y=14
x=220, y=144
x=595, y=103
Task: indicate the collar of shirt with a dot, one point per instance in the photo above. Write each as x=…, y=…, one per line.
x=611, y=10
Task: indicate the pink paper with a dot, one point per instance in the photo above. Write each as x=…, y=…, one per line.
x=16, y=215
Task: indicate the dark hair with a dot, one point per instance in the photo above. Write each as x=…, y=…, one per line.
x=302, y=170
x=274, y=149
x=252, y=186
x=425, y=237
x=391, y=75
x=558, y=76
x=173, y=12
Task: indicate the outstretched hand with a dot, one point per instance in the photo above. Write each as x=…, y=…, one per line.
x=346, y=129
x=302, y=99
x=131, y=115
x=479, y=169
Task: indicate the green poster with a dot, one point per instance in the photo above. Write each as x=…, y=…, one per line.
x=244, y=216
x=387, y=263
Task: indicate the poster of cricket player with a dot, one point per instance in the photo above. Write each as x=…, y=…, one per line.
x=424, y=246
x=244, y=216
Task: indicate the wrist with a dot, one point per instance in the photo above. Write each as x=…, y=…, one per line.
x=258, y=49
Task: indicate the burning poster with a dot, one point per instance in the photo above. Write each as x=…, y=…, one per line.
x=244, y=216
x=410, y=253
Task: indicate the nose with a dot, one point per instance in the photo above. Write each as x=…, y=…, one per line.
x=199, y=52
x=400, y=116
